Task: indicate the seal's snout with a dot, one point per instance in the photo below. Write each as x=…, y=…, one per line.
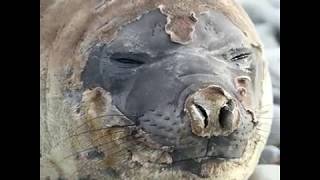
x=212, y=112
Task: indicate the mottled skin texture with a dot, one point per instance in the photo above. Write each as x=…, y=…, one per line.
x=116, y=107
x=150, y=77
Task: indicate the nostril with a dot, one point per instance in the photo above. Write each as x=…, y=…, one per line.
x=226, y=117
x=203, y=113
x=212, y=112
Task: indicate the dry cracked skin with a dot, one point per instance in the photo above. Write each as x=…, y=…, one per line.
x=151, y=89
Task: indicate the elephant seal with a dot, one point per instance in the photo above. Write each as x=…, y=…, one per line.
x=151, y=90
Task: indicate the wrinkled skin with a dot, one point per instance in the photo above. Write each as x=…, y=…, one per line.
x=150, y=77
x=127, y=101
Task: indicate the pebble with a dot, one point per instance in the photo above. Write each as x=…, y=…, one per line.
x=266, y=172
x=270, y=155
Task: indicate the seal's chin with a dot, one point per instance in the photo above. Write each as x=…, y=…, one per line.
x=198, y=166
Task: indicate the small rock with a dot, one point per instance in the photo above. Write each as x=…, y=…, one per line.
x=266, y=172
x=276, y=95
x=274, y=137
x=270, y=155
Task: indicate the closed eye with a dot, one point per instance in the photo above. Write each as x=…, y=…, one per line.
x=128, y=60
x=240, y=56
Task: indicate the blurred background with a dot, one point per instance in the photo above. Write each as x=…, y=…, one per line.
x=265, y=14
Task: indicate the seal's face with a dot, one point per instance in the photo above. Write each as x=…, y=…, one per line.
x=194, y=98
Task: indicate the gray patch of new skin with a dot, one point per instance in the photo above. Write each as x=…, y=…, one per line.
x=150, y=76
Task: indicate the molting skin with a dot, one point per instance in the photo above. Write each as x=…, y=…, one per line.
x=150, y=78
x=162, y=90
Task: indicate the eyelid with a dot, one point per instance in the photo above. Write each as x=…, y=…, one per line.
x=128, y=60
x=238, y=54
x=133, y=56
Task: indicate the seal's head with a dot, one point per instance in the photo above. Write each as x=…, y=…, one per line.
x=189, y=77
